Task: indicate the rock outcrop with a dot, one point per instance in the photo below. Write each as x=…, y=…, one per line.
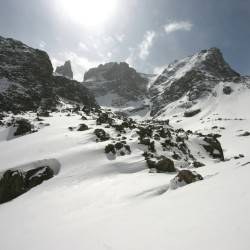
x=184, y=177
x=14, y=183
x=65, y=70
x=194, y=76
x=116, y=84
x=27, y=81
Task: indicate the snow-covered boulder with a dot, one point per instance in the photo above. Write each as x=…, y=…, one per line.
x=184, y=177
x=16, y=182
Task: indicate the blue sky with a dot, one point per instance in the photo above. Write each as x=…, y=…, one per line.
x=146, y=33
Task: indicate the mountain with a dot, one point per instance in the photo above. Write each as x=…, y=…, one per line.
x=120, y=87
x=89, y=178
x=27, y=81
x=65, y=70
x=194, y=77
x=117, y=85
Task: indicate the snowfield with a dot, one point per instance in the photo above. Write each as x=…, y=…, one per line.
x=96, y=203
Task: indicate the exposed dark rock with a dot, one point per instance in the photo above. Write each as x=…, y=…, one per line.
x=191, y=113
x=227, y=90
x=103, y=119
x=162, y=165
x=119, y=79
x=185, y=177
x=13, y=183
x=82, y=127
x=74, y=91
x=127, y=148
x=101, y=135
x=27, y=81
x=118, y=145
x=65, y=70
x=25, y=76
x=198, y=164
x=246, y=133
x=36, y=176
x=213, y=146
x=110, y=148
x=208, y=68
x=23, y=127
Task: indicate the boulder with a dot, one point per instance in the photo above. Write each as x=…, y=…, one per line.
x=213, y=147
x=110, y=148
x=13, y=183
x=184, y=177
x=101, y=135
x=36, y=176
x=227, y=90
x=23, y=127
x=162, y=165
x=83, y=127
x=191, y=113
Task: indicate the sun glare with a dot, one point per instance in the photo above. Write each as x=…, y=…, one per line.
x=90, y=13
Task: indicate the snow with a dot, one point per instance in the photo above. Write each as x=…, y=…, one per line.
x=97, y=203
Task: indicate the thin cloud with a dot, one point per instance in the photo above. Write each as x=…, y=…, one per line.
x=178, y=26
x=120, y=38
x=83, y=46
x=159, y=69
x=79, y=64
x=42, y=45
x=146, y=44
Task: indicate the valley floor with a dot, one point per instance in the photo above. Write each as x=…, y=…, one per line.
x=99, y=204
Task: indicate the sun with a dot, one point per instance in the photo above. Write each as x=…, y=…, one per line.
x=90, y=13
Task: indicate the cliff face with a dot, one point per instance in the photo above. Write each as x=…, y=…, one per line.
x=26, y=79
x=65, y=70
x=118, y=81
x=194, y=76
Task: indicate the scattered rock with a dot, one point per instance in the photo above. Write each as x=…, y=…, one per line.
x=197, y=164
x=245, y=134
x=101, y=135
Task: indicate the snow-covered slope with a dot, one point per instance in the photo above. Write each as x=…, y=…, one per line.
x=193, y=77
x=98, y=203
x=115, y=182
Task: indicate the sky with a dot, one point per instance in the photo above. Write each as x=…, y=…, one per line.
x=148, y=34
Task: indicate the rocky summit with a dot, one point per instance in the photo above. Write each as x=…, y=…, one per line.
x=116, y=84
x=27, y=81
x=194, y=76
x=187, y=81
x=65, y=70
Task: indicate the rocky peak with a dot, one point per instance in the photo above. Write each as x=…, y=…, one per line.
x=194, y=76
x=120, y=80
x=65, y=70
x=27, y=81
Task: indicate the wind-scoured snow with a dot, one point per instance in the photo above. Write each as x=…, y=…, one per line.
x=97, y=203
